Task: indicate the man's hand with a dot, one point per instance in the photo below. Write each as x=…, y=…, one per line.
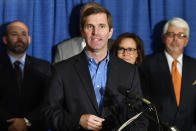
x=17, y=124
x=91, y=122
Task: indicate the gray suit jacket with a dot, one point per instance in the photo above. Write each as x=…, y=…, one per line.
x=69, y=48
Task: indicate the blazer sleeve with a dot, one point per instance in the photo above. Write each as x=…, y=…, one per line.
x=35, y=116
x=54, y=114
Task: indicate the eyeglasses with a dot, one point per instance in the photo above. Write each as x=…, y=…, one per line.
x=172, y=35
x=130, y=51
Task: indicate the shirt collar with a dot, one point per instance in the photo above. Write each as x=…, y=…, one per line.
x=171, y=59
x=106, y=59
x=22, y=59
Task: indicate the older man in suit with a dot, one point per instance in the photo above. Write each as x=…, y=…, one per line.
x=84, y=90
x=74, y=46
x=22, y=82
x=171, y=78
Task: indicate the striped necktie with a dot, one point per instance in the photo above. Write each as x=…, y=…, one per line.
x=18, y=73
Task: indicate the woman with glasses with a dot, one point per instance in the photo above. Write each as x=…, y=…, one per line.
x=129, y=47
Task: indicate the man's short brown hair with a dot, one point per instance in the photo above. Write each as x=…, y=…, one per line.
x=96, y=10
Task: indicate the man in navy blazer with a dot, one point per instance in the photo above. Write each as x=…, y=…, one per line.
x=84, y=90
x=158, y=78
x=20, y=101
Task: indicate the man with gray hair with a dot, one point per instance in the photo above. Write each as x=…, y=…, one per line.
x=170, y=78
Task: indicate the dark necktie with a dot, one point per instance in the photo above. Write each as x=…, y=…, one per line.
x=18, y=73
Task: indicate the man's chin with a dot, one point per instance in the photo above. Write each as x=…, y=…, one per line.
x=19, y=51
x=174, y=50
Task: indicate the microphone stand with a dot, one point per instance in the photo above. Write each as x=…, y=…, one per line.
x=130, y=106
x=131, y=120
x=161, y=126
x=150, y=107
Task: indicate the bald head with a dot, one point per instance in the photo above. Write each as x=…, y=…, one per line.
x=18, y=25
x=88, y=5
x=16, y=39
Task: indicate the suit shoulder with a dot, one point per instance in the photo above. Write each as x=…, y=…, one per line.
x=154, y=57
x=37, y=60
x=3, y=59
x=67, y=62
x=39, y=65
x=121, y=63
x=190, y=59
x=69, y=42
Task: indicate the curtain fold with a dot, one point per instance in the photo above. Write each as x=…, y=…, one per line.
x=52, y=21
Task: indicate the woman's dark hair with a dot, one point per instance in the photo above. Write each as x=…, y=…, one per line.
x=139, y=46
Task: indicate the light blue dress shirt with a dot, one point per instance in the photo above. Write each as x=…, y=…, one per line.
x=99, y=77
x=22, y=61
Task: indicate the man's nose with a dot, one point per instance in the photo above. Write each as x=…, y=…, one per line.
x=175, y=36
x=95, y=31
x=20, y=36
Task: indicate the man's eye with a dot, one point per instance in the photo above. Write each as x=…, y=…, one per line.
x=102, y=26
x=24, y=34
x=13, y=34
x=89, y=26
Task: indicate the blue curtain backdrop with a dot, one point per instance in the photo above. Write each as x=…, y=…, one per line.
x=52, y=21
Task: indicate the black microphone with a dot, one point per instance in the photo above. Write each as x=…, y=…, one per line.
x=126, y=92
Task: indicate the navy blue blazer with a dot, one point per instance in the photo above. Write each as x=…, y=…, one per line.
x=159, y=89
x=72, y=94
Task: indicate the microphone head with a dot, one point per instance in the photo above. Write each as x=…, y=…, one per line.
x=124, y=90
x=173, y=128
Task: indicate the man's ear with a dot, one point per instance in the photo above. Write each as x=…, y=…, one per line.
x=29, y=40
x=82, y=32
x=163, y=38
x=4, y=39
x=111, y=32
x=186, y=42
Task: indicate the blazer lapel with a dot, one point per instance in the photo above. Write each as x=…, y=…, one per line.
x=110, y=95
x=185, y=80
x=81, y=66
x=111, y=72
x=166, y=75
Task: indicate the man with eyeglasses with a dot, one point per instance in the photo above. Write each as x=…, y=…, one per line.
x=170, y=78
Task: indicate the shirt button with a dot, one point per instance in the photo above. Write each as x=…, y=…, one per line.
x=97, y=86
